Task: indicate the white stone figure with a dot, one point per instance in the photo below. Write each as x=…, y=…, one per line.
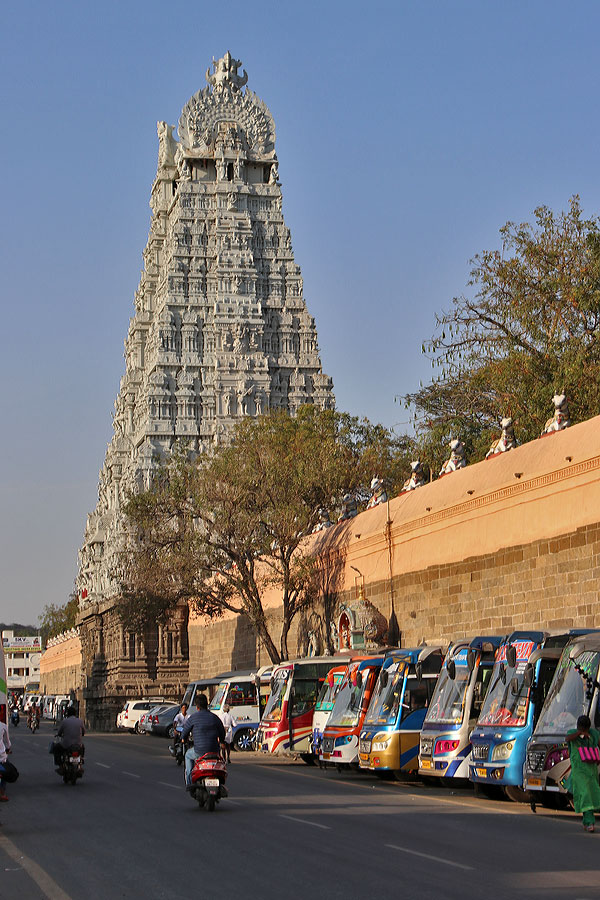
x=457, y=458
x=349, y=509
x=221, y=166
x=324, y=521
x=244, y=395
x=561, y=418
x=258, y=403
x=227, y=402
x=225, y=75
x=378, y=492
x=238, y=168
x=417, y=477
x=274, y=174
x=167, y=145
x=506, y=441
x=231, y=201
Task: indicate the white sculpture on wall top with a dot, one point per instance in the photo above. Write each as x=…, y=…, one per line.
x=457, y=458
x=506, y=441
x=561, y=418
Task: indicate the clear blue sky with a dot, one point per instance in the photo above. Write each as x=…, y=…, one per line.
x=407, y=134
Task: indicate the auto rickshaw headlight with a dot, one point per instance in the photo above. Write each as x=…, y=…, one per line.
x=502, y=751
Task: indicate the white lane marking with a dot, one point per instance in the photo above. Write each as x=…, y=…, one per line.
x=446, y=862
x=46, y=884
x=103, y=765
x=166, y=784
x=305, y=822
x=131, y=774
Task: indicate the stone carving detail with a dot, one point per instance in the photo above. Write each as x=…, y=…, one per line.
x=216, y=333
x=167, y=145
x=359, y=625
x=561, y=418
x=349, y=508
x=324, y=521
x=417, y=477
x=457, y=458
x=506, y=441
x=378, y=492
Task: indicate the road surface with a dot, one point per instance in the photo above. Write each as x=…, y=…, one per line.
x=129, y=830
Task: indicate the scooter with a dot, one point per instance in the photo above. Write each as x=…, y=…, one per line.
x=33, y=724
x=14, y=716
x=71, y=765
x=208, y=780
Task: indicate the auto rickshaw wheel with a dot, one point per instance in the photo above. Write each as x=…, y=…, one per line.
x=307, y=758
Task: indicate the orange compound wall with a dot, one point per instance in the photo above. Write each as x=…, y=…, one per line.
x=510, y=542
x=60, y=667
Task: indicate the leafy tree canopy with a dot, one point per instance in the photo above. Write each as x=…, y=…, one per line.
x=56, y=619
x=529, y=328
x=223, y=529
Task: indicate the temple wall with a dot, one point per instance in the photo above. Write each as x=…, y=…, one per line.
x=507, y=543
x=61, y=667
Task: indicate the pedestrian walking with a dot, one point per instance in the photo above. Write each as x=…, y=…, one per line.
x=5, y=749
x=584, y=752
x=229, y=724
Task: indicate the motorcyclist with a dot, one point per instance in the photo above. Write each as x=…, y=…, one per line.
x=70, y=731
x=208, y=734
x=178, y=724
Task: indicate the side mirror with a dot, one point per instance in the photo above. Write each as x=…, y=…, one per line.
x=511, y=656
x=470, y=659
x=451, y=667
x=419, y=671
x=384, y=677
x=502, y=672
x=514, y=686
x=528, y=675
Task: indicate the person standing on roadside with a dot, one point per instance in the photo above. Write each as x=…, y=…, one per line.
x=229, y=724
x=583, y=744
x=5, y=749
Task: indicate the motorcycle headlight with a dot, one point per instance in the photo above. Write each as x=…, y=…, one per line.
x=381, y=742
x=502, y=751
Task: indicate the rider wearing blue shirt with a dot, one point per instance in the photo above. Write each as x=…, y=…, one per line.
x=207, y=732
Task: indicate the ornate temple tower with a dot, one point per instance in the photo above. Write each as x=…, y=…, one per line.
x=220, y=330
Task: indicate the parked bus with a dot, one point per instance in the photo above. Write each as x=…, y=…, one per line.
x=324, y=705
x=573, y=693
x=242, y=691
x=445, y=746
x=206, y=686
x=341, y=735
x=511, y=708
x=286, y=725
x=389, y=741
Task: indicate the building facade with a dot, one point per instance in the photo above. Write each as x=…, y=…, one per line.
x=22, y=656
x=220, y=331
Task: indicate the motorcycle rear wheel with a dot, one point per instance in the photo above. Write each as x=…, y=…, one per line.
x=211, y=802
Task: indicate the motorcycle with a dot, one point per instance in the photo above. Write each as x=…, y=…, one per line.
x=14, y=716
x=33, y=724
x=179, y=748
x=71, y=765
x=208, y=780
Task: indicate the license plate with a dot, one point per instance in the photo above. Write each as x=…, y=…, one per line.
x=326, y=755
x=534, y=782
x=211, y=782
x=426, y=764
x=481, y=773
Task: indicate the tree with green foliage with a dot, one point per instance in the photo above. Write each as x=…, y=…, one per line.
x=221, y=530
x=56, y=619
x=529, y=328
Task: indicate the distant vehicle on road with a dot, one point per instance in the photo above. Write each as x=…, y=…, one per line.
x=129, y=717
x=161, y=721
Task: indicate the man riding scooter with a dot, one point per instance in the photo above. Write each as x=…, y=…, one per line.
x=208, y=733
x=70, y=733
x=178, y=747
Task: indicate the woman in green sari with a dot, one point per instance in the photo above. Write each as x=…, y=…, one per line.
x=584, y=775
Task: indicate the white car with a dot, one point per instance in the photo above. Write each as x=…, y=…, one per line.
x=129, y=717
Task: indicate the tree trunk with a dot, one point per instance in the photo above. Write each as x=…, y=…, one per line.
x=285, y=630
x=267, y=642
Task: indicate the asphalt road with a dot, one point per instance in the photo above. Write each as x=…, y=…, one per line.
x=128, y=829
